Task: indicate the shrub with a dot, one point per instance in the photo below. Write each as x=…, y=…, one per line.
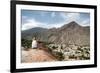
x=60, y=56
x=26, y=43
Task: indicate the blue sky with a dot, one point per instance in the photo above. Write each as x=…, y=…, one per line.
x=50, y=19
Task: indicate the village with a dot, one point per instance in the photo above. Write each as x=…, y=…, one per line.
x=71, y=52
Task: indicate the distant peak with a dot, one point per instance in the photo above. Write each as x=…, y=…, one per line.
x=73, y=22
x=71, y=25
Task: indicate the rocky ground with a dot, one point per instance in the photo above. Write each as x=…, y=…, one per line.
x=36, y=55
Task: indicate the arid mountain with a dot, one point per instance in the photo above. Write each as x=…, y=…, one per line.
x=34, y=32
x=71, y=33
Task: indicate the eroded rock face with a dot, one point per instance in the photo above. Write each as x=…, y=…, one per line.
x=36, y=55
x=71, y=33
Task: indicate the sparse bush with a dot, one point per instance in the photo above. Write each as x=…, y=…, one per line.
x=60, y=56
x=26, y=43
x=54, y=47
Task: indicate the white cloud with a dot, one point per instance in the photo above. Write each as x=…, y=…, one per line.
x=43, y=13
x=24, y=17
x=73, y=15
x=85, y=22
x=55, y=25
x=70, y=16
x=31, y=23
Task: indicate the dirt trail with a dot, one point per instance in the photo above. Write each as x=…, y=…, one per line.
x=36, y=55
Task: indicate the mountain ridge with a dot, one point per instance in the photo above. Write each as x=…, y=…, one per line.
x=71, y=33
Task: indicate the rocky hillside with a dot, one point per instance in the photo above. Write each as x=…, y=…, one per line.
x=71, y=33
